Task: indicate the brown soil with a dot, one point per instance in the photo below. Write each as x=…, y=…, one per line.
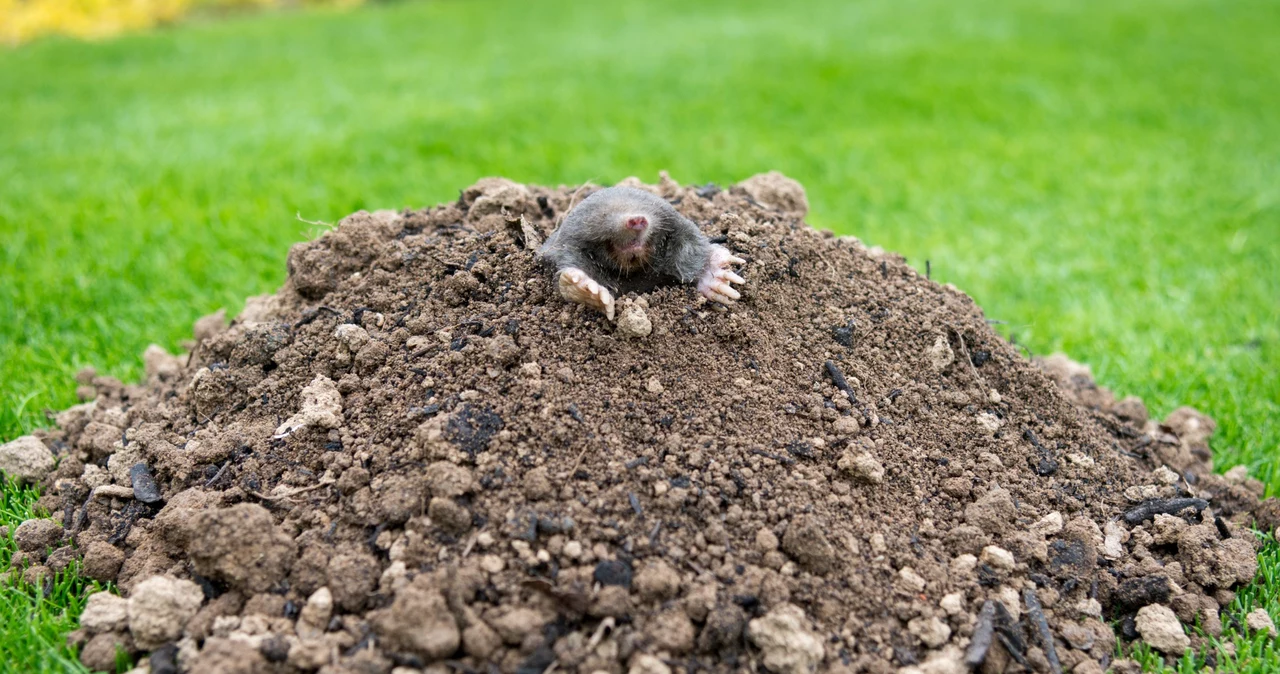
x=415, y=454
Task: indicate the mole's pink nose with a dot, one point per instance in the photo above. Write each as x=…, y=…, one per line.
x=637, y=223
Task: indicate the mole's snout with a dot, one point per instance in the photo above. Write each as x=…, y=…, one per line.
x=637, y=223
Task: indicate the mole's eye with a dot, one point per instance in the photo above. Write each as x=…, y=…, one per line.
x=637, y=223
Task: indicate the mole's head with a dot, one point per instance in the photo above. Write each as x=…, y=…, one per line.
x=628, y=222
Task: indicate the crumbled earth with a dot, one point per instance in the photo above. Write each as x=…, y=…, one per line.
x=416, y=455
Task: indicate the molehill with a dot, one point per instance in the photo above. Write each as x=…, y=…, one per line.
x=416, y=457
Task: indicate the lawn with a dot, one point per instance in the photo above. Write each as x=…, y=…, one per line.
x=1104, y=177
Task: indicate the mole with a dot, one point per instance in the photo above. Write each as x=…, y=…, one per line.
x=622, y=239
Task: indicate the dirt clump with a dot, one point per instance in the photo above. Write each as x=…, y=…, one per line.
x=415, y=455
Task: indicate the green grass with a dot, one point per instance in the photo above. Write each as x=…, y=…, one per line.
x=34, y=619
x=1104, y=176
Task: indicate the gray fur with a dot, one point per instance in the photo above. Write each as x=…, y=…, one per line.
x=679, y=249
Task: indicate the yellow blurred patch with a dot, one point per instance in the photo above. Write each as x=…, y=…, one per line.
x=24, y=20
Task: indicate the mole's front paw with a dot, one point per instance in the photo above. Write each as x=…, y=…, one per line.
x=576, y=286
x=716, y=279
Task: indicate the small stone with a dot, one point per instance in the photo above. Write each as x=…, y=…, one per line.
x=940, y=354
x=105, y=612
x=26, y=459
x=952, y=603
x=33, y=536
x=997, y=558
x=159, y=609
x=1048, y=525
x=989, y=422
x=862, y=467
x=634, y=323
x=1259, y=620
x=911, y=580
x=1166, y=475
x=1114, y=535
x=493, y=563
x=878, y=544
x=321, y=407
x=964, y=564
x=786, y=643
x=931, y=631
x=1080, y=459
x=314, y=617
x=654, y=386
x=1161, y=630
x=144, y=484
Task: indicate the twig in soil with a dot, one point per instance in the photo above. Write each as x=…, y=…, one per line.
x=471, y=542
x=983, y=634
x=837, y=378
x=1169, y=506
x=606, y=624
x=576, y=462
x=653, y=535
x=967, y=358
x=1036, y=613
x=218, y=475
x=928, y=270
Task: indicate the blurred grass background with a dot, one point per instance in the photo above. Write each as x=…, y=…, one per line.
x=1104, y=176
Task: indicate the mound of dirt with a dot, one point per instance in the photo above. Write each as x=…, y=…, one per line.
x=415, y=456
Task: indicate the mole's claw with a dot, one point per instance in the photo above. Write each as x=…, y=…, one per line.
x=717, y=297
x=715, y=281
x=726, y=275
x=727, y=290
x=576, y=286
